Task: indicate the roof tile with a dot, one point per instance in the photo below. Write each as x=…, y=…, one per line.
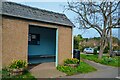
x=19, y=10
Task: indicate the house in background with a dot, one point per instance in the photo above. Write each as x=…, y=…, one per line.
x=34, y=35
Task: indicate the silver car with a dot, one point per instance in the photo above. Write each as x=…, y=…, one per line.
x=117, y=52
x=88, y=50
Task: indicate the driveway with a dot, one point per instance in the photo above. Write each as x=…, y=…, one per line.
x=45, y=70
x=103, y=71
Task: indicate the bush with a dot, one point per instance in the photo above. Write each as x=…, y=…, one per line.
x=71, y=61
x=16, y=64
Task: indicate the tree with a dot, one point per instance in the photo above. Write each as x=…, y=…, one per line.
x=77, y=40
x=102, y=16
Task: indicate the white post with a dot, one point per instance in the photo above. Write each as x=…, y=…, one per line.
x=56, y=63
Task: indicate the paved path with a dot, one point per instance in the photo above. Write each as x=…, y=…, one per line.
x=102, y=71
x=45, y=70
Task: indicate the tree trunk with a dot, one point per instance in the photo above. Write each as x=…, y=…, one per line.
x=110, y=33
x=101, y=52
x=110, y=52
x=102, y=46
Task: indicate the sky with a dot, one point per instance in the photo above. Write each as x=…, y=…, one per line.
x=58, y=7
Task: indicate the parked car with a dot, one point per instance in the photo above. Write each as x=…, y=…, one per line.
x=117, y=52
x=88, y=50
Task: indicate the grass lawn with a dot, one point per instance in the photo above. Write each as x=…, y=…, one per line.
x=114, y=61
x=82, y=68
x=25, y=76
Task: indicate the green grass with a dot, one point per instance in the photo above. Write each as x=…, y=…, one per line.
x=25, y=76
x=114, y=61
x=82, y=68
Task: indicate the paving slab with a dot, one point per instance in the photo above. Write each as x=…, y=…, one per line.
x=45, y=70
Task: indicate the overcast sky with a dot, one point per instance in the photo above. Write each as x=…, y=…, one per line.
x=56, y=6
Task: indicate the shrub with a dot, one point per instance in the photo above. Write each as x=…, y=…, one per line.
x=16, y=64
x=71, y=61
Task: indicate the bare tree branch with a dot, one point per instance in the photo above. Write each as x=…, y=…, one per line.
x=114, y=9
x=96, y=15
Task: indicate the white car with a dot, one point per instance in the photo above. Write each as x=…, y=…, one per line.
x=88, y=50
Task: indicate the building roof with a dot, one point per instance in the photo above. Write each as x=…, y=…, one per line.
x=27, y=12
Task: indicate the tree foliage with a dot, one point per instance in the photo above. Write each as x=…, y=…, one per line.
x=77, y=40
